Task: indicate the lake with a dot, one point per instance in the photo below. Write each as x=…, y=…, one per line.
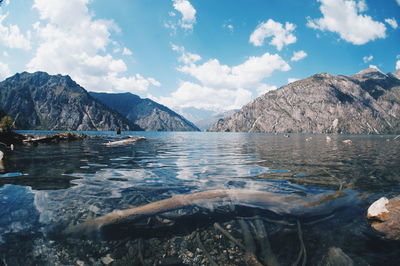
x=47, y=188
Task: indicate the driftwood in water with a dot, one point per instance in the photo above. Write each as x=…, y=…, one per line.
x=124, y=141
x=278, y=203
x=65, y=136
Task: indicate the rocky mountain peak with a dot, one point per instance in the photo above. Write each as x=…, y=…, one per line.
x=56, y=102
x=370, y=73
x=367, y=102
x=396, y=74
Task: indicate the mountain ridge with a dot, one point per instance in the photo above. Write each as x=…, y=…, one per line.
x=146, y=113
x=367, y=102
x=56, y=102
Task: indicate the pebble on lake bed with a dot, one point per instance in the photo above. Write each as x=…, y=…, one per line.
x=385, y=215
x=347, y=141
x=107, y=259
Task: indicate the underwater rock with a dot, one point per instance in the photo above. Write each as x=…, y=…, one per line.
x=336, y=257
x=378, y=209
x=347, y=141
x=388, y=223
x=107, y=259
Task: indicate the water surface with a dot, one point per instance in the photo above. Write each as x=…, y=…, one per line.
x=44, y=189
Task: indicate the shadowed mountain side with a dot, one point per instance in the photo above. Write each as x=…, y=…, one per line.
x=365, y=103
x=146, y=113
x=56, y=102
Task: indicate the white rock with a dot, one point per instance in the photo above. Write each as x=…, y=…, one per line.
x=378, y=208
x=1, y=155
x=328, y=139
x=107, y=259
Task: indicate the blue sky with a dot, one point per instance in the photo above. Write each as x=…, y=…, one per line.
x=206, y=54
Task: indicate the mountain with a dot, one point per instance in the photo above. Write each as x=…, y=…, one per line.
x=145, y=113
x=42, y=101
x=367, y=102
x=206, y=123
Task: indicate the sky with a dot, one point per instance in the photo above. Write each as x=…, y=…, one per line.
x=197, y=54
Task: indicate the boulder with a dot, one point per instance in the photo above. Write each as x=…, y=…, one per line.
x=385, y=217
x=378, y=210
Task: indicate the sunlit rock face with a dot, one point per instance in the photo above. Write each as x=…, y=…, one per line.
x=43, y=101
x=367, y=102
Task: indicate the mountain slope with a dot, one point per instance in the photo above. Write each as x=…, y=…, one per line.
x=206, y=123
x=43, y=101
x=146, y=113
x=368, y=102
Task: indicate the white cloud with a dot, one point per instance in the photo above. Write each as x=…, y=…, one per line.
x=190, y=94
x=392, y=22
x=373, y=66
x=297, y=56
x=77, y=46
x=291, y=80
x=5, y=54
x=398, y=65
x=246, y=75
x=264, y=88
x=221, y=87
x=398, y=2
x=188, y=13
x=281, y=35
x=362, y=6
x=126, y=51
x=367, y=59
x=344, y=18
x=186, y=58
x=4, y=71
x=229, y=27
x=11, y=36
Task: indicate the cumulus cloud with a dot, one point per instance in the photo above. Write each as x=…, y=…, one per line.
x=77, y=45
x=186, y=58
x=4, y=71
x=398, y=2
x=190, y=94
x=246, y=75
x=218, y=86
x=367, y=59
x=11, y=36
x=373, y=66
x=398, y=65
x=281, y=35
x=187, y=11
x=297, y=56
x=345, y=18
x=392, y=22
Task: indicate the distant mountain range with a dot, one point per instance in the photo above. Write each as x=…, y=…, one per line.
x=55, y=102
x=206, y=123
x=145, y=113
x=367, y=102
